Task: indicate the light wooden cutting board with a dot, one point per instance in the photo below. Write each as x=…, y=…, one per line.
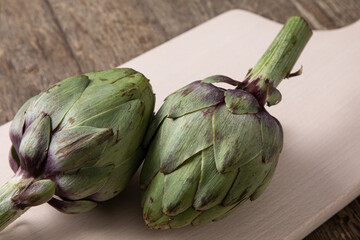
x=319, y=169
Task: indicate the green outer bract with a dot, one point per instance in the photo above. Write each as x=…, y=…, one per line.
x=81, y=140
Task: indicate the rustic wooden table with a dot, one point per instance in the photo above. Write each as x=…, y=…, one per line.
x=44, y=41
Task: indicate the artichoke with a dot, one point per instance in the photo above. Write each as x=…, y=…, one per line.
x=211, y=149
x=77, y=143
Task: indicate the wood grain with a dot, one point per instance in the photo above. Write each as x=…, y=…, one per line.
x=45, y=41
x=33, y=53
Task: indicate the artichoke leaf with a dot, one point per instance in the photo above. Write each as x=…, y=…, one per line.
x=76, y=147
x=108, y=96
x=184, y=218
x=111, y=76
x=183, y=137
x=36, y=193
x=220, y=79
x=72, y=207
x=239, y=101
x=248, y=180
x=213, y=185
x=127, y=122
x=265, y=183
x=14, y=160
x=17, y=126
x=57, y=100
x=272, y=137
x=114, y=185
x=78, y=184
x=159, y=117
x=211, y=214
x=237, y=139
x=180, y=187
x=35, y=143
x=194, y=97
x=152, y=163
x=152, y=199
x=161, y=223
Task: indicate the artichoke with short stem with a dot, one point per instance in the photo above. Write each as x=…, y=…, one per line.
x=211, y=149
x=78, y=143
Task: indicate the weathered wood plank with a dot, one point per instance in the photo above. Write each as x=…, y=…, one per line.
x=33, y=53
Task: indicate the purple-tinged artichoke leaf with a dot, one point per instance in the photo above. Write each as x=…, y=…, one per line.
x=36, y=193
x=272, y=137
x=79, y=184
x=184, y=218
x=35, y=144
x=14, y=160
x=72, y=207
x=194, y=97
x=213, y=185
x=77, y=147
x=182, y=138
x=152, y=199
x=180, y=187
x=57, y=100
x=248, y=180
x=239, y=102
x=222, y=79
x=237, y=139
x=17, y=126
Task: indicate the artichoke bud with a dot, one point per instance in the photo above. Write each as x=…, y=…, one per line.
x=84, y=136
x=210, y=149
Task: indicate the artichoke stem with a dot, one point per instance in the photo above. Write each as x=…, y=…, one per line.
x=19, y=194
x=279, y=58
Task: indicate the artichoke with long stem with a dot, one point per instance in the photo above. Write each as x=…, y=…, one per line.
x=78, y=143
x=211, y=149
